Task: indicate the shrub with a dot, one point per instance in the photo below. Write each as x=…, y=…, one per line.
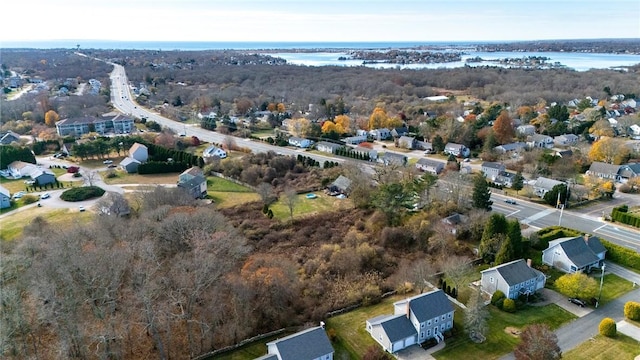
x=622, y=255
x=632, y=310
x=497, y=296
x=607, y=327
x=81, y=193
x=500, y=303
x=509, y=305
x=29, y=199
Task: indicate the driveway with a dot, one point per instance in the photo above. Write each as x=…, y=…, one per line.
x=416, y=352
x=553, y=297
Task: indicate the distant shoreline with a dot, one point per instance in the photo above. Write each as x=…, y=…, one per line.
x=606, y=46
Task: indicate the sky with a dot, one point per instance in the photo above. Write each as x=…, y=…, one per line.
x=318, y=20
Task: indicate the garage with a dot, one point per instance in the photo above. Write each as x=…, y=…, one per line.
x=397, y=346
x=409, y=341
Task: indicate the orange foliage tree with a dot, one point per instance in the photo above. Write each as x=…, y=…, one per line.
x=503, y=128
x=51, y=118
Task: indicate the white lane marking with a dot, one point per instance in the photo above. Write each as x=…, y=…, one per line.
x=599, y=227
x=513, y=213
x=537, y=216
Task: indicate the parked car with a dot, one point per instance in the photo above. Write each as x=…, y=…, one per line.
x=511, y=201
x=45, y=196
x=108, y=162
x=81, y=208
x=19, y=194
x=112, y=165
x=577, y=302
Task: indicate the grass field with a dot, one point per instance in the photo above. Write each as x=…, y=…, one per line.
x=151, y=179
x=613, y=287
x=12, y=225
x=498, y=341
x=304, y=206
x=226, y=193
x=603, y=348
x=352, y=339
x=250, y=351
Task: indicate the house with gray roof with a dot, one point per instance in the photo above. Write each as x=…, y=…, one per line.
x=309, y=344
x=340, y=185
x=457, y=150
x=300, y=142
x=617, y=173
x=414, y=321
x=43, y=176
x=130, y=165
x=566, y=139
x=514, y=278
x=407, y=142
x=7, y=137
x=429, y=165
x=573, y=254
x=5, y=198
x=492, y=170
x=380, y=134
x=540, y=141
x=139, y=152
x=544, y=185
x=328, y=147
x=391, y=158
x=511, y=147
x=194, y=182
x=355, y=140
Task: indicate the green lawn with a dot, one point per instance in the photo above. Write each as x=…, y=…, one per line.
x=603, y=348
x=498, y=341
x=152, y=179
x=352, y=339
x=226, y=193
x=613, y=287
x=13, y=185
x=304, y=206
x=250, y=351
x=12, y=225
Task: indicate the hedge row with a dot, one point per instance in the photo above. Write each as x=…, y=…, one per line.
x=622, y=255
x=161, y=167
x=621, y=214
x=551, y=233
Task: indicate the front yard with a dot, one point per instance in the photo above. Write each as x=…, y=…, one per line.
x=601, y=348
x=499, y=342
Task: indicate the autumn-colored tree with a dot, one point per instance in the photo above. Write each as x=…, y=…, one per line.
x=281, y=108
x=609, y=150
x=503, y=128
x=243, y=105
x=601, y=128
x=394, y=122
x=51, y=118
x=378, y=118
x=343, y=124
x=299, y=127
x=329, y=126
x=538, y=342
x=271, y=107
x=577, y=285
x=526, y=113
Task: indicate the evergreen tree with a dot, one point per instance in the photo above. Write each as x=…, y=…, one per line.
x=557, y=195
x=438, y=144
x=518, y=182
x=481, y=193
x=492, y=237
x=506, y=252
x=514, y=234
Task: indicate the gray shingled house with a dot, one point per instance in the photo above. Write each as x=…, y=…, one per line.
x=310, y=344
x=514, y=278
x=573, y=254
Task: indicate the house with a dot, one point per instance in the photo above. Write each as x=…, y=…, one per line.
x=300, y=142
x=43, y=176
x=213, y=152
x=544, y=185
x=431, y=166
x=414, y=321
x=19, y=169
x=130, y=165
x=452, y=221
x=310, y=344
x=5, y=198
x=139, y=152
x=66, y=147
x=572, y=254
x=327, y=147
x=7, y=137
x=514, y=278
x=390, y=158
x=566, y=140
x=341, y=185
x=492, y=170
x=373, y=154
x=635, y=129
x=380, y=134
x=505, y=179
x=511, y=147
x=540, y=141
x=604, y=171
x=194, y=182
x=425, y=145
x=525, y=130
x=437, y=98
x=407, y=142
x=629, y=171
x=355, y=140
x=119, y=124
x=399, y=132
x=458, y=150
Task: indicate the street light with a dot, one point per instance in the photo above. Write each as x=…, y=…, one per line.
x=601, y=281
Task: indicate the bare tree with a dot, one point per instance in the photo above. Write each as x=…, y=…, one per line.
x=476, y=316
x=538, y=342
x=90, y=177
x=291, y=199
x=458, y=270
x=422, y=272
x=265, y=191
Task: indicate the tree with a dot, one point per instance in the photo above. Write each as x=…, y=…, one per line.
x=422, y=271
x=577, y=285
x=518, y=182
x=291, y=199
x=607, y=327
x=538, y=342
x=265, y=190
x=632, y=310
x=343, y=124
x=506, y=252
x=393, y=200
x=438, y=144
x=601, y=128
x=299, y=127
x=503, y=128
x=481, y=193
x=492, y=237
x=476, y=316
x=558, y=195
x=378, y=118
x=608, y=150
x=51, y=118
x=457, y=270
x=558, y=112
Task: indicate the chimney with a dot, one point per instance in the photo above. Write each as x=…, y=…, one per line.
x=529, y=262
x=586, y=238
x=408, y=309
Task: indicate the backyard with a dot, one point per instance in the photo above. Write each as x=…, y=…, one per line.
x=306, y=206
x=226, y=193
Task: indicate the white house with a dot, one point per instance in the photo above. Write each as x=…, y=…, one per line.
x=431, y=166
x=5, y=198
x=457, y=150
x=310, y=344
x=514, y=278
x=139, y=152
x=213, y=151
x=635, y=129
x=380, y=134
x=300, y=142
x=544, y=185
x=566, y=139
x=492, y=170
x=19, y=169
x=572, y=254
x=407, y=142
x=414, y=321
x=540, y=141
x=526, y=130
x=327, y=147
x=355, y=140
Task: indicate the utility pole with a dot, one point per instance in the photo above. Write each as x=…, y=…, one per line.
x=601, y=282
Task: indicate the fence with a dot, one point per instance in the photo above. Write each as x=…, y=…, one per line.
x=238, y=345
